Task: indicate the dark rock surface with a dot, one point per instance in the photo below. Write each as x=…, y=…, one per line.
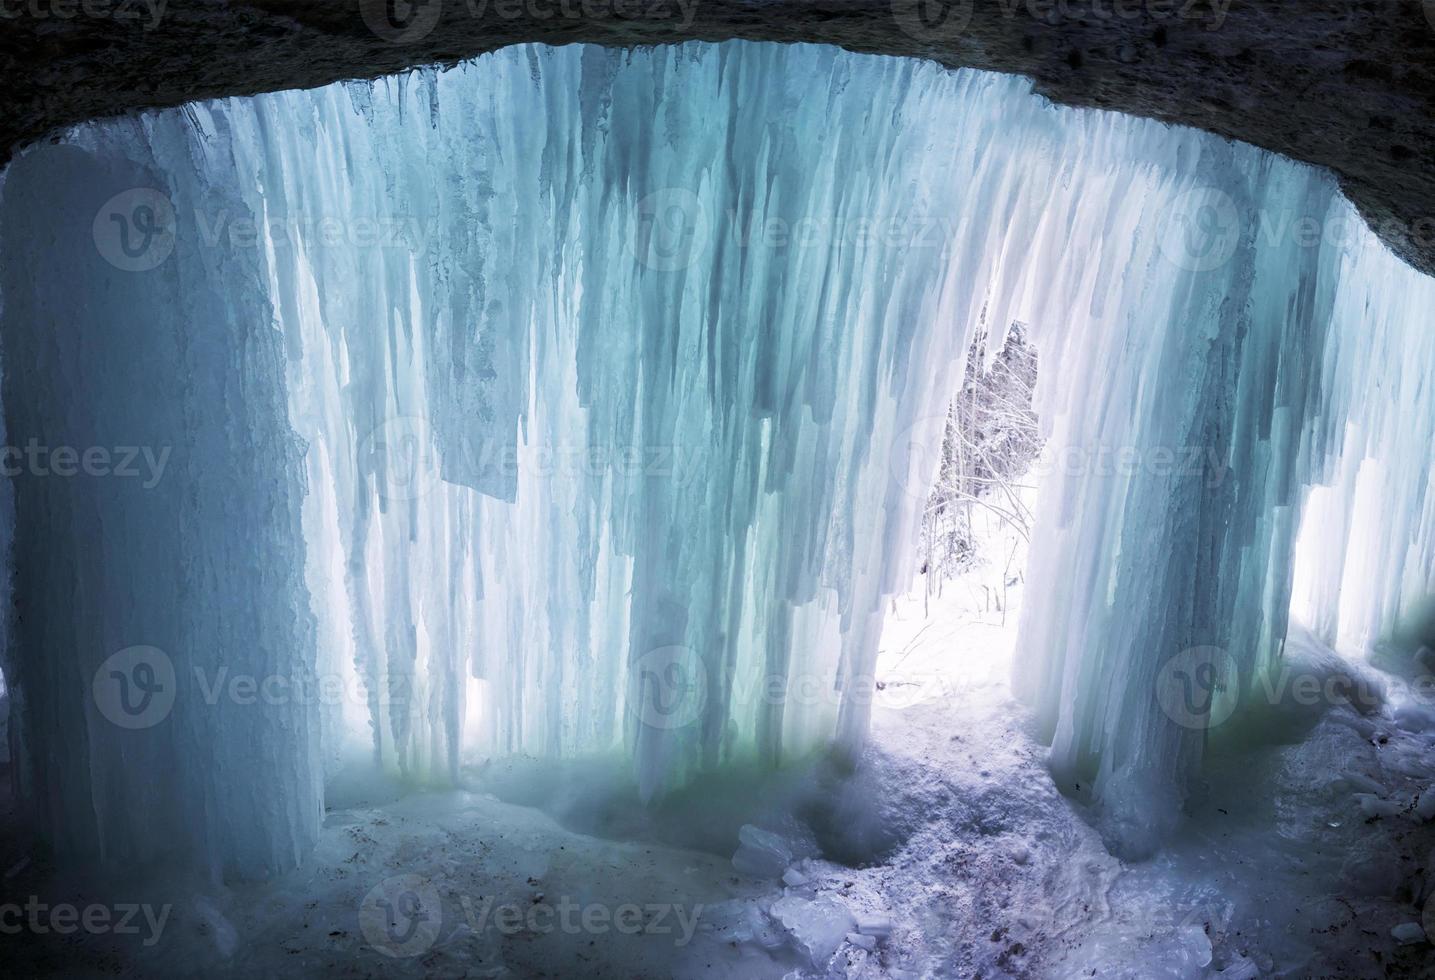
x=1345, y=84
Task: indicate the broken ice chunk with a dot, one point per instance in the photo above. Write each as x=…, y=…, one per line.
x=1425, y=808
x=1240, y=969
x=817, y=927
x=1415, y=718
x=1373, y=806
x=761, y=853
x=743, y=922
x=793, y=878
x=869, y=943
x=874, y=924
x=1370, y=872
x=1408, y=933
x=1425, y=657
x=1195, y=945
x=1362, y=782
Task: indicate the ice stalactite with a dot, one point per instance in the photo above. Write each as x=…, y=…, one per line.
x=572, y=449
x=1365, y=562
x=655, y=405
x=619, y=380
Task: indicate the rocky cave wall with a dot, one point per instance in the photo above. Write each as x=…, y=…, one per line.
x=1344, y=84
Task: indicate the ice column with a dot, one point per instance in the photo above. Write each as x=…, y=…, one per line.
x=157, y=541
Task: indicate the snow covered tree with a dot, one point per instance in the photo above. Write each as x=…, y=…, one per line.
x=991, y=440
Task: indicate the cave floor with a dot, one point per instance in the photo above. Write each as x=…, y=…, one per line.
x=1303, y=850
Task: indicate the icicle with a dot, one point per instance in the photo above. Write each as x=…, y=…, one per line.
x=621, y=383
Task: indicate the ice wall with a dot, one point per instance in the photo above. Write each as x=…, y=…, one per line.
x=600, y=443
x=157, y=546
x=1365, y=561
x=606, y=388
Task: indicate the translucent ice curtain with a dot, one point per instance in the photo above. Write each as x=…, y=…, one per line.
x=577, y=401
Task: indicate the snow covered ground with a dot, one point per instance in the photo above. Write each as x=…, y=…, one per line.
x=948, y=852
x=1304, y=849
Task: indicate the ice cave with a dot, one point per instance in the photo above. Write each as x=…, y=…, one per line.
x=723, y=509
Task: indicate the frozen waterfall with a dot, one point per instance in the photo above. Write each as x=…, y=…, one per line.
x=577, y=401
